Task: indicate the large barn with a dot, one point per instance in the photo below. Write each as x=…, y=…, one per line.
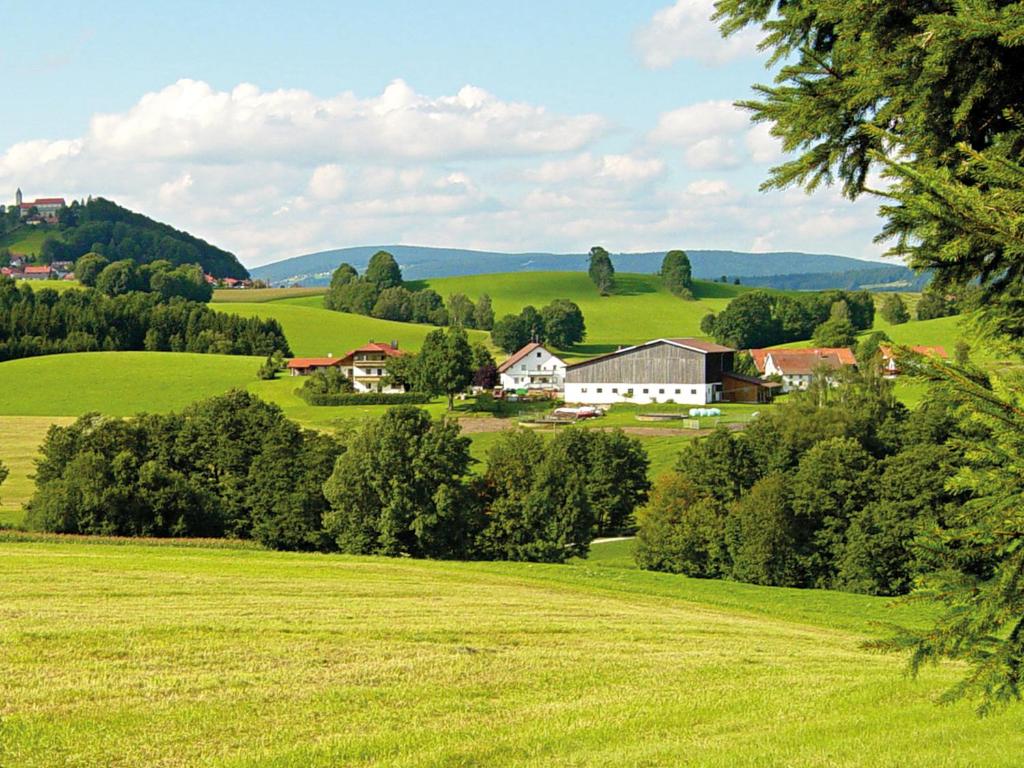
x=687, y=371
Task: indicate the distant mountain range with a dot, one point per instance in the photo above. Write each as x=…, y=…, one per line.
x=769, y=269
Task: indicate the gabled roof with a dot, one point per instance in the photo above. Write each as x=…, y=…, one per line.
x=376, y=346
x=314, y=362
x=803, y=362
x=695, y=345
x=808, y=358
x=517, y=356
x=37, y=270
x=45, y=201
x=750, y=379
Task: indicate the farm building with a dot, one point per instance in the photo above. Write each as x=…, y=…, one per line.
x=532, y=367
x=891, y=356
x=687, y=371
x=366, y=365
x=797, y=367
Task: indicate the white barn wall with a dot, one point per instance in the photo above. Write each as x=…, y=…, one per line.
x=685, y=394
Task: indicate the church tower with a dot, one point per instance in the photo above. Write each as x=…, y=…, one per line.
x=17, y=197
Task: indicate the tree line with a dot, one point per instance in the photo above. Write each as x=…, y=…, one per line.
x=235, y=466
x=382, y=293
x=763, y=319
x=837, y=488
x=560, y=323
x=160, y=277
x=43, y=321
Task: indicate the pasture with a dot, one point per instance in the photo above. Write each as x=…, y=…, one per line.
x=26, y=240
x=174, y=656
x=313, y=331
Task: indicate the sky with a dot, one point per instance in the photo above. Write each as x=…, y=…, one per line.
x=274, y=130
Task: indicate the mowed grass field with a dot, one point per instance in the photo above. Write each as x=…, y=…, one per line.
x=26, y=240
x=313, y=331
x=20, y=438
x=156, y=655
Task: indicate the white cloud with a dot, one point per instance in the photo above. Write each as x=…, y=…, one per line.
x=712, y=153
x=328, y=182
x=190, y=119
x=698, y=121
x=763, y=147
x=623, y=169
x=709, y=188
x=685, y=31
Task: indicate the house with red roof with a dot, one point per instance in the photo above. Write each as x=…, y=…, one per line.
x=796, y=368
x=366, y=366
x=687, y=370
x=38, y=273
x=532, y=367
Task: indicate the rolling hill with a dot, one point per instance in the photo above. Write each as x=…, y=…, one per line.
x=185, y=655
x=420, y=262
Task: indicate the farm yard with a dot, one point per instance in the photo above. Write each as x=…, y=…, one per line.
x=175, y=656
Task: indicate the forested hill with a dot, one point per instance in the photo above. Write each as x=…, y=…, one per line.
x=419, y=262
x=118, y=233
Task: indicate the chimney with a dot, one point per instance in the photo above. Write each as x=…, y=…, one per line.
x=394, y=344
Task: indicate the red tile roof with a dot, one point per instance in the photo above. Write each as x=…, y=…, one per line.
x=803, y=362
x=45, y=201
x=517, y=356
x=376, y=346
x=314, y=362
x=37, y=270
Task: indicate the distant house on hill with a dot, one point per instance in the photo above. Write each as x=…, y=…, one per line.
x=38, y=273
x=532, y=367
x=891, y=356
x=46, y=209
x=689, y=371
x=797, y=367
x=366, y=366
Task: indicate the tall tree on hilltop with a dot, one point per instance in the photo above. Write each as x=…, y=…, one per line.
x=677, y=274
x=383, y=271
x=601, y=271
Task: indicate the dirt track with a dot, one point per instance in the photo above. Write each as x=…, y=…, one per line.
x=474, y=425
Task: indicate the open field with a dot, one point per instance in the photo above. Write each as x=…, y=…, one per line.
x=117, y=383
x=160, y=655
x=56, y=285
x=313, y=331
x=26, y=240
x=261, y=295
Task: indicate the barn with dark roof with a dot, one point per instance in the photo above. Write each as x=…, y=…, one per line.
x=689, y=371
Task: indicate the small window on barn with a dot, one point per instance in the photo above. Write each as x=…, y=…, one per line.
x=583, y=389
x=600, y=390
x=615, y=390
x=679, y=391
x=646, y=391
x=661, y=391
x=693, y=391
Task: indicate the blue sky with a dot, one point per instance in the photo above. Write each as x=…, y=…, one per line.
x=274, y=131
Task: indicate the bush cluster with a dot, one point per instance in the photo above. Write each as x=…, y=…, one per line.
x=364, y=398
x=830, y=490
x=763, y=319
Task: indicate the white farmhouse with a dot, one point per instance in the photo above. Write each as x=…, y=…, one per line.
x=532, y=367
x=689, y=371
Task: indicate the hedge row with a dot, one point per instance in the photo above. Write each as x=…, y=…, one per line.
x=365, y=398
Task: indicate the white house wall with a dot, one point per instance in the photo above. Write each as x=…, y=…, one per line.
x=642, y=394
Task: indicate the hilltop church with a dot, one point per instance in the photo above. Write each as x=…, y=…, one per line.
x=47, y=209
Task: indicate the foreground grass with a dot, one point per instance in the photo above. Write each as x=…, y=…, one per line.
x=135, y=655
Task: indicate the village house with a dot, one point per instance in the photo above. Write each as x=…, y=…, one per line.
x=689, y=371
x=366, y=366
x=47, y=209
x=533, y=367
x=891, y=356
x=796, y=368
x=37, y=273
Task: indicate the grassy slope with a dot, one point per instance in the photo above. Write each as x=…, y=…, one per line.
x=641, y=309
x=20, y=437
x=313, y=331
x=117, y=383
x=27, y=240
x=172, y=656
x=234, y=296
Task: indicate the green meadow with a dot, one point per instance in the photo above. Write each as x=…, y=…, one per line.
x=27, y=241
x=182, y=656
x=313, y=331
